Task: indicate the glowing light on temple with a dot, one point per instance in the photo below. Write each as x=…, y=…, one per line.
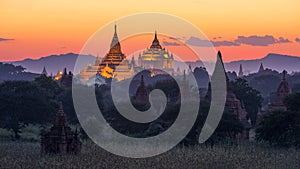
x=115, y=65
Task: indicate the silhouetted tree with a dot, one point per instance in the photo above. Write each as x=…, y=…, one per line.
x=12, y=72
x=280, y=128
x=48, y=85
x=23, y=102
x=249, y=96
x=293, y=102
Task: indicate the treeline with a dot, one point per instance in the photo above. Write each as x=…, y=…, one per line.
x=282, y=128
x=12, y=72
x=35, y=102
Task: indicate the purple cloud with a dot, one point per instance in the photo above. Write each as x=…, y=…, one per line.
x=194, y=41
x=255, y=40
x=225, y=43
x=297, y=40
x=171, y=43
x=5, y=39
x=283, y=40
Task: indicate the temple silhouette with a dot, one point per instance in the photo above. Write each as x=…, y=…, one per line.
x=283, y=91
x=60, y=138
x=233, y=105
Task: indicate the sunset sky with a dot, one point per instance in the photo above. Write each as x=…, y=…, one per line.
x=241, y=29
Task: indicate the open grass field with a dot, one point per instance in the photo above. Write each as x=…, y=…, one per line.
x=27, y=155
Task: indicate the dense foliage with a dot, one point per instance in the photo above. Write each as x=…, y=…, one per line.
x=293, y=102
x=12, y=72
x=24, y=102
x=249, y=96
x=282, y=128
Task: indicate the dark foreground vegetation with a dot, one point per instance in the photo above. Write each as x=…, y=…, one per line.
x=27, y=155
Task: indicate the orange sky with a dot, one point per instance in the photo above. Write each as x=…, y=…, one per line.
x=40, y=28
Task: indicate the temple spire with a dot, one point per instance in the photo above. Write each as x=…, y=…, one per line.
x=219, y=56
x=284, y=74
x=44, y=72
x=141, y=94
x=115, y=47
x=261, y=68
x=115, y=37
x=155, y=42
x=221, y=59
x=60, y=119
x=65, y=71
x=241, y=73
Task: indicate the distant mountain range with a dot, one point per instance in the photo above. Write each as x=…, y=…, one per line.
x=53, y=63
x=272, y=61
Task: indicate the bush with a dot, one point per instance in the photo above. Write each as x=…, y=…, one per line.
x=280, y=128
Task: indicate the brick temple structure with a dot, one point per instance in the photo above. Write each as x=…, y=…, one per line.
x=233, y=106
x=141, y=94
x=283, y=91
x=60, y=138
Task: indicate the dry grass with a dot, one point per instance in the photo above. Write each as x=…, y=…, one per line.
x=26, y=155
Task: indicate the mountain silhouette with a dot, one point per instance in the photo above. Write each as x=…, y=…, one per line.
x=272, y=61
x=53, y=63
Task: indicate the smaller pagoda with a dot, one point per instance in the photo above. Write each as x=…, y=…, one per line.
x=60, y=139
x=283, y=91
x=141, y=94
